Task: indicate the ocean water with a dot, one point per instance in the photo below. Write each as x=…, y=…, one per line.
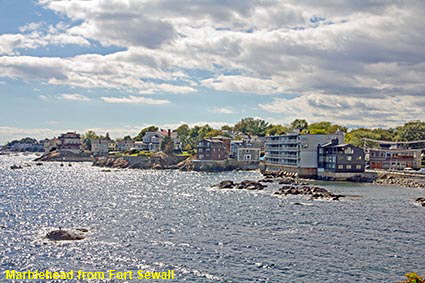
x=160, y=220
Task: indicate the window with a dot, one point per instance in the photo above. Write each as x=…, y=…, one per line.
x=359, y=158
x=349, y=166
x=200, y=150
x=358, y=166
x=201, y=156
x=340, y=166
x=349, y=150
x=349, y=158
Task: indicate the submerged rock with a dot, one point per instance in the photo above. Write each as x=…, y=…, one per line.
x=420, y=201
x=312, y=191
x=67, y=235
x=13, y=167
x=244, y=185
x=227, y=184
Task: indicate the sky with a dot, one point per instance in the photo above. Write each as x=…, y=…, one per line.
x=119, y=65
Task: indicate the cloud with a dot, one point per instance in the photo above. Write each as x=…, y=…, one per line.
x=74, y=97
x=242, y=84
x=350, y=111
x=223, y=110
x=135, y=100
x=353, y=49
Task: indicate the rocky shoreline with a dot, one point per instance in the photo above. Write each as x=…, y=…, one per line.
x=400, y=181
x=157, y=161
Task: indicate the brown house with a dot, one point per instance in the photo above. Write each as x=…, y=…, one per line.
x=209, y=149
x=397, y=159
x=226, y=142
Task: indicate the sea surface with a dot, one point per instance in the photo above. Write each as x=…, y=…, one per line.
x=160, y=220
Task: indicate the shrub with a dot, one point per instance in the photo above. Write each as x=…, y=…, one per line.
x=413, y=278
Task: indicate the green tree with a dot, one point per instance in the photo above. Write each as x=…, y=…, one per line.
x=411, y=131
x=213, y=133
x=251, y=126
x=324, y=128
x=226, y=128
x=356, y=136
x=167, y=145
x=275, y=130
x=299, y=124
x=90, y=135
x=204, y=130
x=183, y=131
x=139, y=136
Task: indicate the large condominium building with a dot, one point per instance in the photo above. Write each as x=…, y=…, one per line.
x=296, y=152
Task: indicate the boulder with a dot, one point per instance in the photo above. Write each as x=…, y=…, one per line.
x=244, y=185
x=420, y=201
x=67, y=235
x=313, y=192
x=250, y=185
x=227, y=184
x=13, y=167
x=157, y=166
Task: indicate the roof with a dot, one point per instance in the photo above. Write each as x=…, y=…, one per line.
x=221, y=137
x=343, y=145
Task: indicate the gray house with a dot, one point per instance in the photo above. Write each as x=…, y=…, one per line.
x=340, y=160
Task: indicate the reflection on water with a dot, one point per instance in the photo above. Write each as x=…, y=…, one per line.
x=160, y=220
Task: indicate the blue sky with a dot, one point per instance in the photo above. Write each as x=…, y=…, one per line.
x=119, y=65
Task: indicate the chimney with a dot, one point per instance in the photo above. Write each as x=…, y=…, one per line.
x=169, y=132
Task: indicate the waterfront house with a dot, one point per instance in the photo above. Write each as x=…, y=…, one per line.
x=244, y=150
x=100, y=147
x=125, y=144
x=226, y=142
x=112, y=145
x=394, y=159
x=248, y=154
x=391, y=155
x=70, y=142
x=51, y=145
x=234, y=145
x=340, y=161
x=209, y=149
x=296, y=152
x=152, y=141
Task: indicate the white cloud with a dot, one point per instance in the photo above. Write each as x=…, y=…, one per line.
x=135, y=100
x=74, y=97
x=31, y=26
x=352, y=111
x=323, y=48
x=223, y=110
x=243, y=84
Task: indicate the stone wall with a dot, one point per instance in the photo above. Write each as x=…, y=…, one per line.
x=224, y=165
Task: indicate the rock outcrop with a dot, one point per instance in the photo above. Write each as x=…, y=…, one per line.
x=244, y=185
x=67, y=235
x=401, y=181
x=14, y=167
x=420, y=201
x=312, y=191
